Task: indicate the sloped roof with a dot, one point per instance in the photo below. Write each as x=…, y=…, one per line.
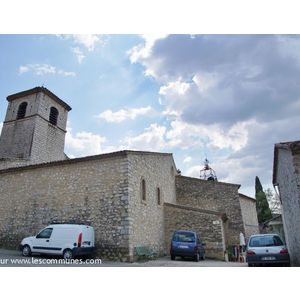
x=247, y=197
x=37, y=90
x=83, y=159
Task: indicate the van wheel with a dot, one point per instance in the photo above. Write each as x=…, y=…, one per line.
x=68, y=254
x=197, y=257
x=172, y=257
x=26, y=251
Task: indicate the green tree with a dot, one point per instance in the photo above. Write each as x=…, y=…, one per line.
x=258, y=186
x=262, y=205
x=273, y=200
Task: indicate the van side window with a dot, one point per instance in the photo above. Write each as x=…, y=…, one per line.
x=45, y=234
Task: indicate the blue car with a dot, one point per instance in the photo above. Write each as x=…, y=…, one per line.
x=187, y=244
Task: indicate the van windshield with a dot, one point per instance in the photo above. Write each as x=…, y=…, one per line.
x=186, y=237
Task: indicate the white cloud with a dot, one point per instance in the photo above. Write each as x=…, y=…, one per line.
x=230, y=95
x=66, y=73
x=79, y=54
x=90, y=40
x=84, y=143
x=151, y=140
x=43, y=69
x=187, y=159
x=23, y=69
x=194, y=171
x=143, y=51
x=122, y=115
x=184, y=136
x=177, y=87
x=223, y=78
x=39, y=69
x=236, y=137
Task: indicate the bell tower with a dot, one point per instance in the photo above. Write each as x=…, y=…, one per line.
x=34, y=128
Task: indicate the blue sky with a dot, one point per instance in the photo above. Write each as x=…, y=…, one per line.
x=230, y=97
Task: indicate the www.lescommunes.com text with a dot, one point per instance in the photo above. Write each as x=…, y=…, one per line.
x=43, y=261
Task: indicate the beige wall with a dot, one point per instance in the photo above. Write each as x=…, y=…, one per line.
x=33, y=139
x=147, y=217
x=288, y=180
x=214, y=196
x=93, y=190
x=209, y=224
x=248, y=206
x=106, y=191
x=103, y=190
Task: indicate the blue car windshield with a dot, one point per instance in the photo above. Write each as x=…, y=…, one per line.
x=265, y=241
x=186, y=237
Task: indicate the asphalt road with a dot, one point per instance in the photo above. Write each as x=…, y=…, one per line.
x=12, y=258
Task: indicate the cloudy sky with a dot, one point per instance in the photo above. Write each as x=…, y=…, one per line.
x=227, y=97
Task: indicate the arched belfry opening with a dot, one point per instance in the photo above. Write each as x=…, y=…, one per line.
x=22, y=111
x=53, y=116
x=31, y=139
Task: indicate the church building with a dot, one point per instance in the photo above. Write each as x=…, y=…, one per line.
x=131, y=198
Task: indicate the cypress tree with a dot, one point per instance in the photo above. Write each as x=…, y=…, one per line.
x=258, y=186
x=262, y=205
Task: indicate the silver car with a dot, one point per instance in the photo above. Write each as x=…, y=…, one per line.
x=267, y=249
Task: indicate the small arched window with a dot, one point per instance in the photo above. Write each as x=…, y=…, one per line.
x=53, y=116
x=158, y=196
x=143, y=194
x=22, y=111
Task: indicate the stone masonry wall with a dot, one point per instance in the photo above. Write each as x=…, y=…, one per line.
x=106, y=191
x=92, y=190
x=207, y=223
x=248, y=206
x=147, y=216
x=48, y=143
x=16, y=139
x=288, y=179
x=33, y=139
x=217, y=196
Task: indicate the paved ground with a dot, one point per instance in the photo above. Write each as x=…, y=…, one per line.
x=11, y=258
x=167, y=262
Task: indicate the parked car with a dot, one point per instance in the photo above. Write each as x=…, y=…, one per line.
x=187, y=244
x=67, y=240
x=266, y=249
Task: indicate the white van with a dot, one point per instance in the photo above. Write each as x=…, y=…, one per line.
x=68, y=240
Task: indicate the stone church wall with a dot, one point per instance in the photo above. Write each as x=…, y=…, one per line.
x=33, y=138
x=19, y=147
x=207, y=223
x=49, y=141
x=103, y=190
x=147, y=216
x=92, y=190
x=106, y=191
x=216, y=196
